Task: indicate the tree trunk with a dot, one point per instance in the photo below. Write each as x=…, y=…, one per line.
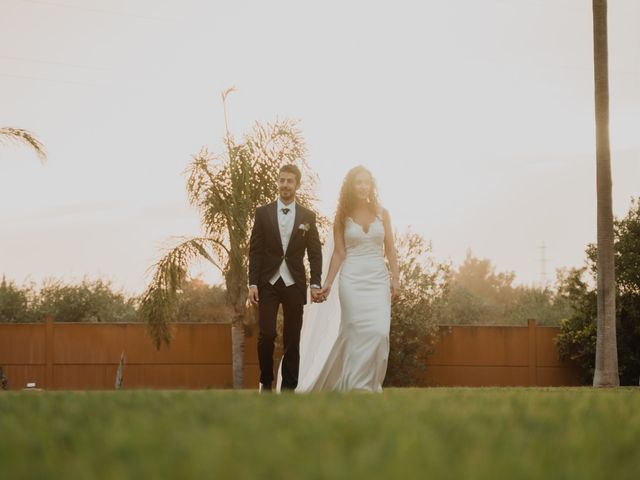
x=236, y=283
x=606, y=368
x=237, y=351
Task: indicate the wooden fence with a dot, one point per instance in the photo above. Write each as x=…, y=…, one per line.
x=499, y=356
x=72, y=356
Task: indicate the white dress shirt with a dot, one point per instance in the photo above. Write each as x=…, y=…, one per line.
x=285, y=224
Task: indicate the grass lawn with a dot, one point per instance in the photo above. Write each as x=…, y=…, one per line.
x=506, y=433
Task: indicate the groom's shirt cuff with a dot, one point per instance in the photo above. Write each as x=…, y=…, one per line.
x=315, y=286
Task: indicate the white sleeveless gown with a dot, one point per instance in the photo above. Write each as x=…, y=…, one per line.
x=344, y=341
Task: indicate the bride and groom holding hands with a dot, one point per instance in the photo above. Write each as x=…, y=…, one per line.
x=341, y=340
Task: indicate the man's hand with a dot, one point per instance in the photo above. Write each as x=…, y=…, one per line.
x=320, y=295
x=316, y=295
x=253, y=295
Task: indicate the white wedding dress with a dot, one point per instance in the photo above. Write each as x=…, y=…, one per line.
x=344, y=343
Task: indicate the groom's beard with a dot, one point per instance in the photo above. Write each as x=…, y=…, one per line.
x=287, y=195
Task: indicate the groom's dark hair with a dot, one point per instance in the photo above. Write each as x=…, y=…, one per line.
x=291, y=168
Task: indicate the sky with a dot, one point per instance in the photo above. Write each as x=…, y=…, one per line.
x=475, y=116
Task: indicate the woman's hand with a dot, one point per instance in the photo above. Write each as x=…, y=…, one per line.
x=395, y=289
x=324, y=293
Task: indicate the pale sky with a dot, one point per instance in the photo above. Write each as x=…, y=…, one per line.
x=476, y=117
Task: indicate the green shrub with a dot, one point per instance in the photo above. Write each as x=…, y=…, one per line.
x=577, y=340
x=90, y=301
x=414, y=328
x=16, y=303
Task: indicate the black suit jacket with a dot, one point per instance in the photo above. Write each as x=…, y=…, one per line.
x=265, y=247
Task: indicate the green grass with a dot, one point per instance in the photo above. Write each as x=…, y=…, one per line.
x=403, y=433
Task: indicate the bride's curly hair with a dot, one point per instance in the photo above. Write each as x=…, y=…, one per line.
x=347, y=199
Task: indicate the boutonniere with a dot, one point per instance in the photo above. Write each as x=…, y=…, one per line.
x=304, y=227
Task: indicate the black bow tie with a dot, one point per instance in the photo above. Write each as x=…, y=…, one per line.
x=285, y=210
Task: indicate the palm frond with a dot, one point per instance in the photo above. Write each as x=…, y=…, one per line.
x=158, y=306
x=207, y=189
x=225, y=93
x=25, y=137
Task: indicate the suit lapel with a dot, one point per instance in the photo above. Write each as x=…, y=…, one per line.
x=297, y=221
x=273, y=216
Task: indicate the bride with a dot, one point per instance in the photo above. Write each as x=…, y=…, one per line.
x=344, y=341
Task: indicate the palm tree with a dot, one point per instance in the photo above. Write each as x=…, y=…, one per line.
x=606, y=369
x=226, y=190
x=25, y=137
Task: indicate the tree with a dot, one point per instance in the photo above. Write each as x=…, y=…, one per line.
x=93, y=301
x=414, y=328
x=22, y=136
x=479, y=295
x=226, y=190
x=199, y=302
x=606, y=366
x=16, y=304
x=578, y=338
x=89, y=301
x=546, y=305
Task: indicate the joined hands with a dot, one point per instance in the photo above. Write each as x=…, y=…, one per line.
x=319, y=295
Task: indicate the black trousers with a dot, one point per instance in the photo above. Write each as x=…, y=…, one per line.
x=292, y=299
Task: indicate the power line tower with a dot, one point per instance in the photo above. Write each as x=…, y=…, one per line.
x=543, y=264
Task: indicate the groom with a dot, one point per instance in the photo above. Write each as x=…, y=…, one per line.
x=282, y=231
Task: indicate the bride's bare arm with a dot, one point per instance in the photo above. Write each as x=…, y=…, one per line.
x=337, y=257
x=390, y=252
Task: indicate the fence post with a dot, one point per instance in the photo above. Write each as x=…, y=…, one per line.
x=48, y=353
x=533, y=360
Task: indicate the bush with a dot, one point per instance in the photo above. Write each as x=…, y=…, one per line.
x=16, y=304
x=414, y=329
x=577, y=340
x=90, y=301
x=199, y=302
x=97, y=301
